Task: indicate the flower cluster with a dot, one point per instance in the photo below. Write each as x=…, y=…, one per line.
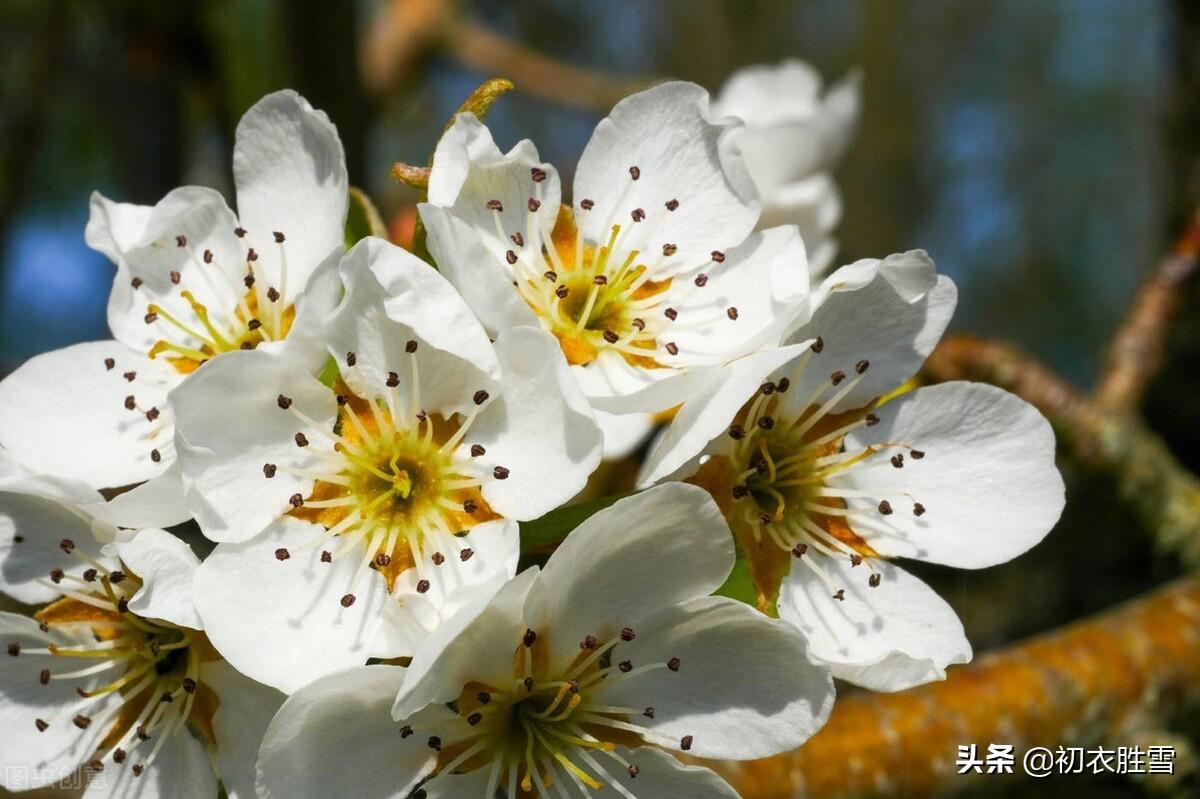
x=363, y=438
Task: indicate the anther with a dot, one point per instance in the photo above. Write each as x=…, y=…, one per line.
x=537, y=174
x=90, y=575
x=518, y=239
x=466, y=554
x=874, y=580
x=855, y=559
x=240, y=232
x=783, y=385
x=588, y=642
x=634, y=172
x=119, y=755
x=638, y=323
x=351, y=359
x=561, y=292
x=484, y=697
x=861, y=366
x=435, y=743
x=129, y=376
x=155, y=455
x=480, y=397
x=138, y=769
x=56, y=575
x=81, y=721
x=817, y=345
x=189, y=685
x=495, y=205
x=282, y=554
x=130, y=403
x=625, y=666
x=685, y=743
x=152, y=414
x=175, y=277
x=740, y=491
x=438, y=558
x=627, y=634
x=510, y=256
x=637, y=214
x=898, y=460
x=918, y=509
x=14, y=649
x=248, y=280
x=764, y=518
x=885, y=507
x=737, y=432
x=673, y=664
x=253, y=324
x=301, y=440
x=295, y=500
x=611, y=337
x=840, y=595
x=342, y=399
x=528, y=683
x=550, y=275
x=347, y=600
x=406, y=731
x=41, y=725
x=477, y=450
x=278, y=237
x=136, y=282
x=500, y=473
x=672, y=348
x=648, y=712
x=671, y=314
x=116, y=577
x=150, y=318
x=393, y=379
x=423, y=586
x=799, y=550
x=916, y=454
x=766, y=422
x=326, y=556
x=251, y=255
x=208, y=256
x=469, y=506
x=534, y=204
x=701, y=280
x=44, y=677
x=732, y=313
x=411, y=346
x=718, y=256
x=181, y=241
x=529, y=638
x=587, y=205
x=67, y=545
x=272, y=294
x=871, y=420
x=767, y=388
x=474, y=719
x=837, y=377
x=122, y=605
x=672, y=205
x=109, y=364
x=633, y=772
x=669, y=249
x=600, y=280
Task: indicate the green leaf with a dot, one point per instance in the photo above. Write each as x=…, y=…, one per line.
x=543, y=534
x=363, y=218
x=330, y=372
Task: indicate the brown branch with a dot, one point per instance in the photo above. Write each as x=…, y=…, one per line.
x=1136, y=351
x=1092, y=682
x=1164, y=494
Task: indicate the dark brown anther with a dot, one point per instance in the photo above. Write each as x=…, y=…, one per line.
x=119, y=755
x=740, y=491
x=732, y=313
x=871, y=420
x=116, y=577
x=627, y=634
x=673, y=664
x=14, y=649
x=155, y=455
x=273, y=294
x=840, y=595
x=648, y=712
x=718, y=256
x=136, y=283
x=347, y=600
x=480, y=397
x=41, y=725
x=131, y=403
x=529, y=638
x=817, y=345
x=150, y=318
x=625, y=666
x=837, y=377
x=351, y=359
x=885, y=507
x=138, y=769
x=248, y=280
x=701, y=280
x=301, y=440
x=799, y=550
x=282, y=554
x=94, y=766
x=67, y=545
x=152, y=414
x=918, y=509
x=175, y=277
x=587, y=205
x=669, y=249
x=81, y=721
x=382, y=559
x=634, y=172
x=181, y=241
x=466, y=554
x=122, y=605
x=764, y=518
x=737, y=432
x=550, y=275
x=874, y=580
x=495, y=205
x=600, y=280
x=484, y=697
x=510, y=256
x=44, y=677
x=326, y=556
x=129, y=376
x=633, y=772
x=253, y=324
x=537, y=174
x=251, y=255
x=638, y=324
x=500, y=473
x=109, y=364
x=671, y=314
x=528, y=683
x=477, y=450
x=862, y=366
x=423, y=586
x=916, y=454
x=142, y=733
x=685, y=743
x=296, y=500
x=766, y=422
x=240, y=232
x=767, y=388
x=637, y=214
x=588, y=642
x=269, y=470
x=672, y=348
x=406, y=731
x=561, y=292
x=208, y=256
x=90, y=575
x=56, y=575
x=855, y=560
x=435, y=743
x=518, y=239
x=411, y=346
x=611, y=337
x=469, y=506
x=534, y=204
x=672, y=205
x=474, y=719
x=189, y=685
x=342, y=399
x=783, y=385
x=278, y=237
x=438, y=558
x=393, y=379
x=898, y=461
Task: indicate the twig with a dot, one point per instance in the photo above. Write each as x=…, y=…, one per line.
x=1092, y=682
x=1136, y=351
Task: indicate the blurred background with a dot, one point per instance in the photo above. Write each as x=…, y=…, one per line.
x=1042, y=152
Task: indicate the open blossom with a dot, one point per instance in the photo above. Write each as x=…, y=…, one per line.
x=568, y=682
x=193, y=281
x=356, y=513
x=650, y=275
x=116, y=678
x=793, y=138
x=824, y=478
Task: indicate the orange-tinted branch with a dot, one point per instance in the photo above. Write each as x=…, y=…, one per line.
x=1094, y=681
x=1136, y=352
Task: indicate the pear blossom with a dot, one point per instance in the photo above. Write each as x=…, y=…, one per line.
x=355, y=513
x=825, y=476
x=649, y=277
x=575, y=681
x=193, y=281
x=116, y=679
x=793, y=138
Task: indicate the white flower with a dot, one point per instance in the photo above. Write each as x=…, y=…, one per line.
x=823, y=478
x=355, y=513
x=793, y=139
x=193, y=281
x=116, y=677
x=650, y=276
x=568, y=682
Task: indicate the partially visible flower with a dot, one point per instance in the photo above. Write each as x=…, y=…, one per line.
x=824, y=477
x=651, y=275
x=793, y=139
x=193, y=281
x=116, y=678
x=357, y=512
x=569, y=682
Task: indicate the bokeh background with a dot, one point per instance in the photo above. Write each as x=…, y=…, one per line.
x=1043, y=152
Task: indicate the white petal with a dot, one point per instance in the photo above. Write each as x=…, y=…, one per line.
x=412, y=616
x=474, y=645
x=39, y=524
x=891, y=313
x=336, y=737
x=34, y=758
x=230, y=424
x=115, y=228
x=988, y=482
x=814, y=205
x=887, y=638
x=709, y=412
x=661, y=776
x=244, y=710
x=158, y=502
x=469, y=171
x=623, y=433
x=305, y=342
x=745, y=687
x=540, y=428
x=681, y=153
x=290, y=172
x=166, y=566
x=281, y=622
x=181, y=770
x=646, y=552
x=62, y=414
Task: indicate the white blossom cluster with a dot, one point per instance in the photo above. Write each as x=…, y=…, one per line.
x=364, y=436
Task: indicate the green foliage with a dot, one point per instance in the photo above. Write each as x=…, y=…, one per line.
x=363, y=218
x=543, y=534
